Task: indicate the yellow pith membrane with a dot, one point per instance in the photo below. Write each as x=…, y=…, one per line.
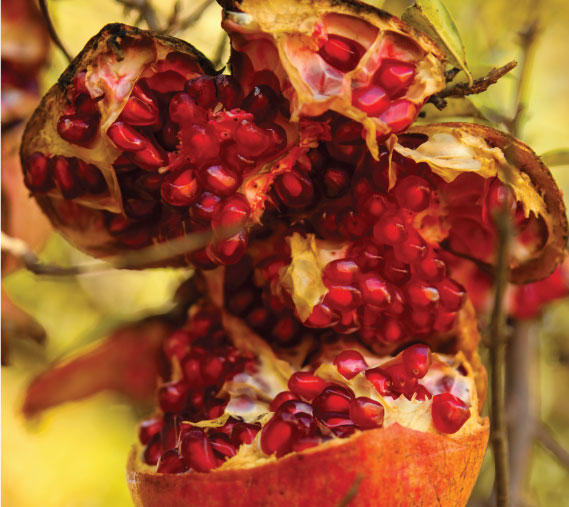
x=244, y=443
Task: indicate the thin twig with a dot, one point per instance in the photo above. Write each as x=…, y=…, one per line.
x=145, y=12
x=478, y=86
x=544, y=437
x=51, y=29
x=194, y=16
x=497, y=341
x=173, y=18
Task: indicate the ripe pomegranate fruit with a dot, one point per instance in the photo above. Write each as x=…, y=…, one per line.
x=257, y=418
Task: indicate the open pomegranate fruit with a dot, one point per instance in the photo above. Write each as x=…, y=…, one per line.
x=336, y=348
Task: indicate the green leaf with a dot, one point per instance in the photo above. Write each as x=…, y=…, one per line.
x=433, y=18
x=556, y=157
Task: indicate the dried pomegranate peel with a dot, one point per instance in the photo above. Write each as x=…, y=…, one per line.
x=351, y=414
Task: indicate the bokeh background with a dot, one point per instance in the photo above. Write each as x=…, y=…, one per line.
x=75, y=454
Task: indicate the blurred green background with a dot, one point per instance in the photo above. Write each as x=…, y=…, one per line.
x=75, y=454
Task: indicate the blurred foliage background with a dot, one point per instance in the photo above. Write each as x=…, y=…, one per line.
x=75, y=454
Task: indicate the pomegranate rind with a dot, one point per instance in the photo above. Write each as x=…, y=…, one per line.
x=385, y=466
x=103, y=57
x=292, y=27
x=537, y=190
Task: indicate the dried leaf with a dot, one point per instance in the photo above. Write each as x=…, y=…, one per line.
x=556, y=157
x=434, y=19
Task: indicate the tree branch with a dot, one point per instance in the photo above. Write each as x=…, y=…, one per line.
x=193, y=17
x=145, y=12
x=478, y=86
x=544, y=437
x=51, y=29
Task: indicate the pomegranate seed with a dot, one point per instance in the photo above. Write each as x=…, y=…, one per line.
x=180, y=189
x=392, y=331
x=176, y=345
x=220, y=180
x=452, y=294
x=280, y=399
x=394, y=270
x=413, y=249
x=420, y=294
x=172, y=396
x=38, y=176
x=244, y=433
x=259, y=318
x=252, y=141
x=183, y=109
x=399, y=115
x=333, y=399
x=222, y=445
x=284, y=332
x=347, y=131
x=368, y=256
x=229, y=91
x=178, y=62
x=340, y=271
x=165, y=82
x=167, y=136
x=380, y=381
x=197, y=451
x=204, y=207
x=201, y=142
x=202, y=90
x=64, y=173
x=278, y=435
x=369, y=315
x=229, y=251
x=444, y=321
x=372, y=207
x=366, y=413
x=390, y=229
x=375, y=290
x=239, y=303
x=341, y=52
x=212, y=369
x=148, y=428
x=152, y=451
x=498, y=196
x=322, y=316
x=414, y=193
x=306, y=443
x=395, y=76
x=449, y=413
x=422, y=393
x=268, y=269
x=125, y=137
x=295, y=407
x=232, y=213
x=372, y=100
x=171, y=463
x=77, y=129
x=334, y=421
x=421, y=320
x=90, y=177
x=401, y=382
x=262, y=102
x=306, y=385
x=139, y=113
x=351, y=225
x=336, y=182
x=431, y=269
x=342, y=298
x=417, y=360
x=325, y=224
x=294, y=189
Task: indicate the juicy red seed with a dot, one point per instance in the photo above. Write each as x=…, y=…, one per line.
x=372, y=207
x=204, y=207
x=341, y=272
x=398, y=305
x=280, y=399
x=148, y=428
x=449, y=413
x=202, y=90
x=252, y=140
x=180, y=189
x=452, y=294
x=395, y=76
x=332, y=420
x=91, y=177
x=277, y=136
x=347, y=131
x=294, y=189
x=390, y=229
x=268, y=269
x=125, y=137
x=201, y=142
x=392, y=331
x=172, y=396
x=351, y=224
x=367, y=255
x=295, y=407
x=220, y=180
x=77, y=129
x=336, y=182
x=168, y=136
x=444, y=321
x=239, y=303
x=181, y=63
x=278, y=436
x=244, y=433
x=400, y=115
x=183, y=109
x=413, y=249
x=262, y=102
x=212, y=369
x=394, y=270
x=413, y=192
x=366, y=413
x=285, y=330
x=422, y=393
x=372, y=100
x=222, y=445
x=306, y=443
x=150, y=158
x=341, y=52
x=432, y=269
x=38, y=173
x=166, y=82
x=230, y=250
x=229, y=91
x=375, y=290
x=350, y=363
x=401, y=382
x=152, y=451
x=333, y=399
x=233, y=212
x=342, y=298
x=197, y=451
x=321, y=316
x=306, y=385
x=499, y=196
x=380, y=381
x=421, y=294
x=417, y=360
x=171, y=463
x=64, y=174
x=139, y=113
x=176, y=345
x=421, y=320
